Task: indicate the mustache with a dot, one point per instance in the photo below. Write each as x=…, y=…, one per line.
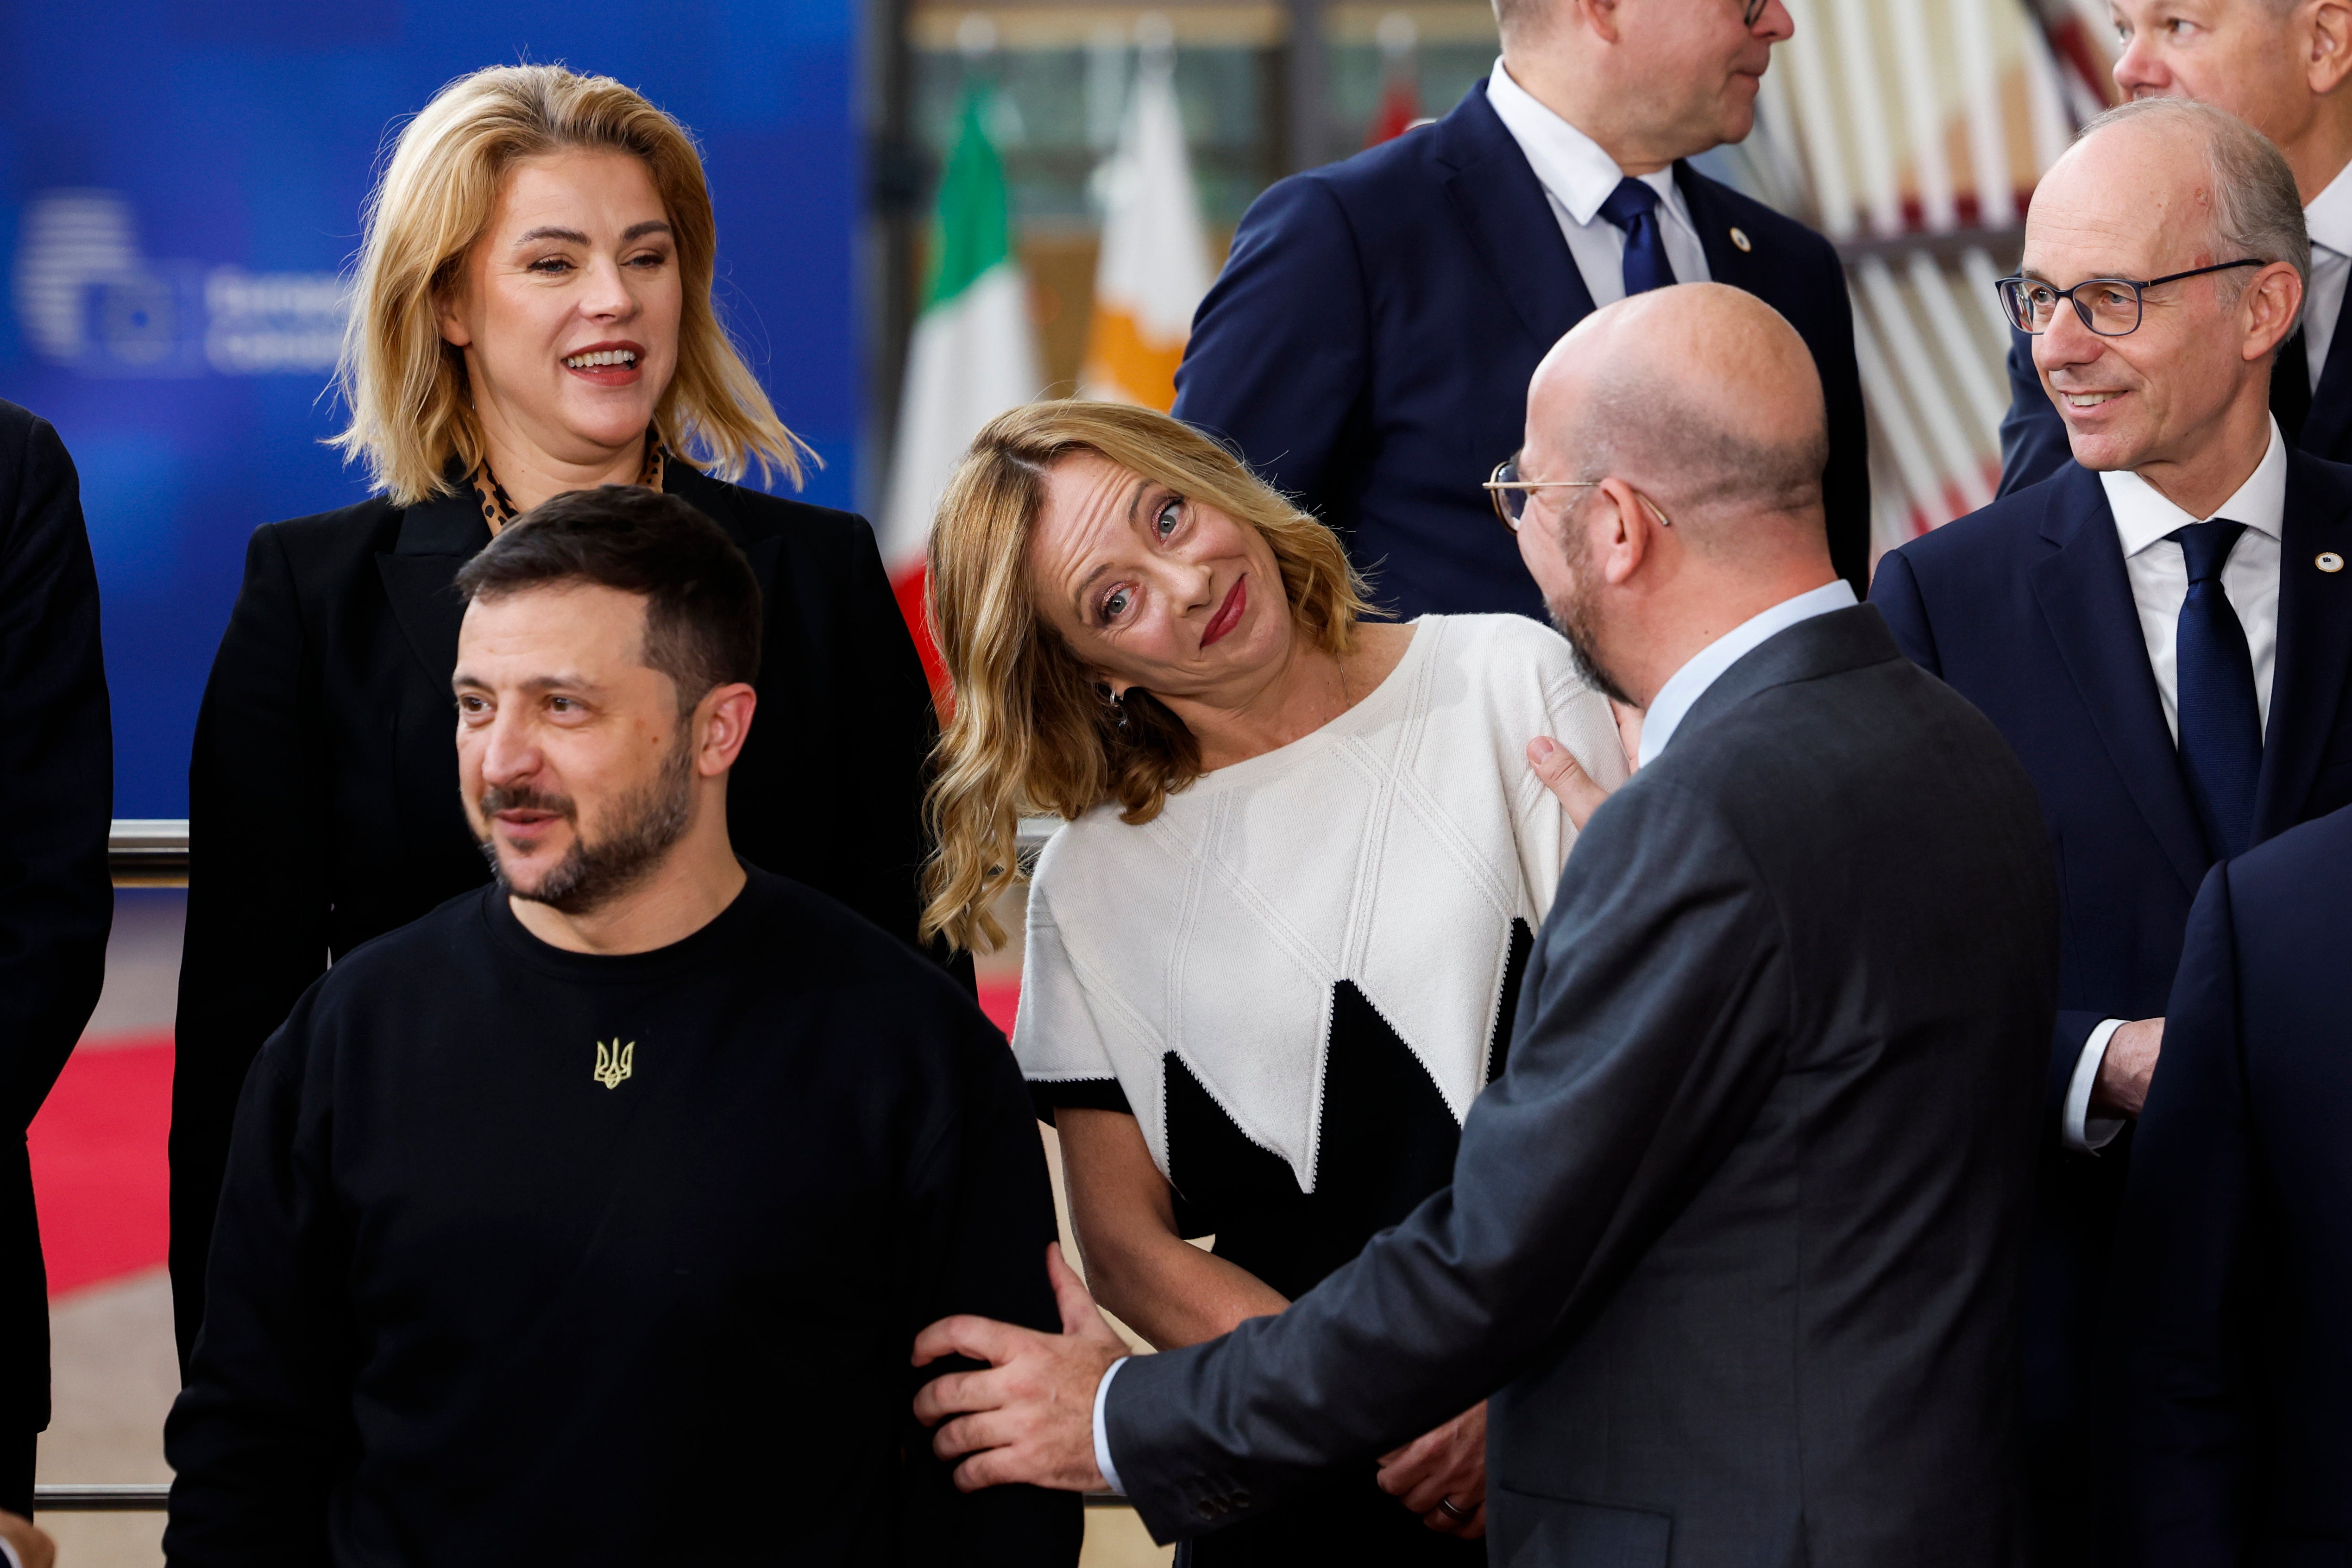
x=523, y=798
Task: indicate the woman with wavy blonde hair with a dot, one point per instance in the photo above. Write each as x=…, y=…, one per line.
x=1274, y=954
x=531, y=315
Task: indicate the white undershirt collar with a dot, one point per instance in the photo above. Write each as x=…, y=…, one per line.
x=2144, y=517
x=1687, y=685
x=1569, y=163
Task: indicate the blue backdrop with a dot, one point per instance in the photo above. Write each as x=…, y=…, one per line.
x=181, y=181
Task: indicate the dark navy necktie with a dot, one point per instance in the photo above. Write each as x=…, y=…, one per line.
x=2221, y=723
x=1633, y=207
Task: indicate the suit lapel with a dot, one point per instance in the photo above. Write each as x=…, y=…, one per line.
x=2086, y=599
x=1725, y=262
x=1500, y=201
x=2314, y=642
x=419, y=573
x=2329, y=423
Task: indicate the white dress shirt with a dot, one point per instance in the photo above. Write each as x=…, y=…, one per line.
x=2329, y=219
x=1577, y=177
x=2159, y=573
x=1687, y=685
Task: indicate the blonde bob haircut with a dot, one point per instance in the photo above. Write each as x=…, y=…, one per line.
x=1032, y=732
x=411, y=409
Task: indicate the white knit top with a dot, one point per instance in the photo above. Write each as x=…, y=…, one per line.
x=1394, y=848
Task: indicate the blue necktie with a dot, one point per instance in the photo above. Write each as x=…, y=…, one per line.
x=1632, y=206
x=2221, y=723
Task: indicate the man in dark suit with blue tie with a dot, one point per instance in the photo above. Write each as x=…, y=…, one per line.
x=1369, y=343
x=2236, y=1408
x=2284, y=67
x=2162, y=630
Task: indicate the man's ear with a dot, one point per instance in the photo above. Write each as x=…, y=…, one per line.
x=2329, y=39
x=2271, y=303
x=1624, y=524
x=723, y=721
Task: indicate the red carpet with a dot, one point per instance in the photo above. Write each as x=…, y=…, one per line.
x=1000, y=1000
x=99, y=1175
x=99, y=1168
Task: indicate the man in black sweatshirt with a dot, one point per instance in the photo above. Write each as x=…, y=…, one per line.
x=534, y=1206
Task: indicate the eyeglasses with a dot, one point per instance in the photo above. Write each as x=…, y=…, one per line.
x=2107, y=305
x=1509, y=493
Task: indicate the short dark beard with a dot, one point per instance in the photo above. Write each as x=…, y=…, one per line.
x=1572, y=618
x=648, y=824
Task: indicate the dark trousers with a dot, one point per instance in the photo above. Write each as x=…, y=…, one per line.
x=17, y=1473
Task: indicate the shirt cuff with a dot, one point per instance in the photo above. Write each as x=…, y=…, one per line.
x=2083, y=1133
x=1102, y=1429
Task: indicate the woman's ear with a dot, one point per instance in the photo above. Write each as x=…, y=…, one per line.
x=449, y=316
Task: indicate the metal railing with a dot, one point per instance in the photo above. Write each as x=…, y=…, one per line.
x=153, y=852
x=147, y=851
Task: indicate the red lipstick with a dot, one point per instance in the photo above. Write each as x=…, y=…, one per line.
x=1229, y=613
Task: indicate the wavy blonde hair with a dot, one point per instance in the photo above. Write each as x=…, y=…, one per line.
x=411, y=410
x=1030, y=732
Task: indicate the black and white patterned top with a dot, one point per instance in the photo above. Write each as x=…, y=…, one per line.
x=1299, y=974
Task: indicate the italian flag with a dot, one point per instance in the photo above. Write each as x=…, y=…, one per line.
x=1154, y=265
x=973, y=356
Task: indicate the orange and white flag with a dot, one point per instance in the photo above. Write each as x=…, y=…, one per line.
x=1154, y=267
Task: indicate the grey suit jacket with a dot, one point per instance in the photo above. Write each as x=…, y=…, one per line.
x=1737, y=1240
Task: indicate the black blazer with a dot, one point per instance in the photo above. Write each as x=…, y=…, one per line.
x=2025, y=610
x=57, y=900
x=322, y=794
x=1368, y=344
x=2033, y=444
x=1740, y=1234
x=2236, y=1248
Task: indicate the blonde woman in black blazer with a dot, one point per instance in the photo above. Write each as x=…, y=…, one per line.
x=532, y=315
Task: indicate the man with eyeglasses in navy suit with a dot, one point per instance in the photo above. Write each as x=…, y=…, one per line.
x=2283, y=67
x=1368, y=344
x=2163, y=631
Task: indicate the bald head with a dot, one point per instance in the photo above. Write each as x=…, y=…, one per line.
x=1690, y=421
x=1704, y=398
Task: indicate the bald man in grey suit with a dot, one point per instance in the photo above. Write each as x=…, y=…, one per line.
x=1737, y=1242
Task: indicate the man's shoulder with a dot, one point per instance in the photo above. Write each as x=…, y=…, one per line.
x=1770, y=233
x=2302, y=873
x=819, y=944
x=2010, y=534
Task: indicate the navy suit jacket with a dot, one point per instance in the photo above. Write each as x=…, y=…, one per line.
x=1368, y=344
x=2237, y=1236
x=2025, y=610
x=2034, y=442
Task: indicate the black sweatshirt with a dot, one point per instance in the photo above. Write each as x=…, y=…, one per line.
x=528, y=1255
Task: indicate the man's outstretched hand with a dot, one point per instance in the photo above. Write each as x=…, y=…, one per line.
x=1030, y=1417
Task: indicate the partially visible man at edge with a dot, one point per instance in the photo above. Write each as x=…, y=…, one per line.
x=1368, y=342
x=531, y=1201
x=2163, y=630
x=2283, y=67
x=1737, y=1240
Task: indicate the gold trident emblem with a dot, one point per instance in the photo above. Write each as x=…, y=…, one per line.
x=613, y=1062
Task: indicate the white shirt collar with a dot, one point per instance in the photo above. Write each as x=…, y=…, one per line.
x=1569, y=163
x=2329, y=216
x=1687, y=685
x=2143, y=516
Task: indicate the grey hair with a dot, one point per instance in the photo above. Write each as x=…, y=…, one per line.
x=2257, y=211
